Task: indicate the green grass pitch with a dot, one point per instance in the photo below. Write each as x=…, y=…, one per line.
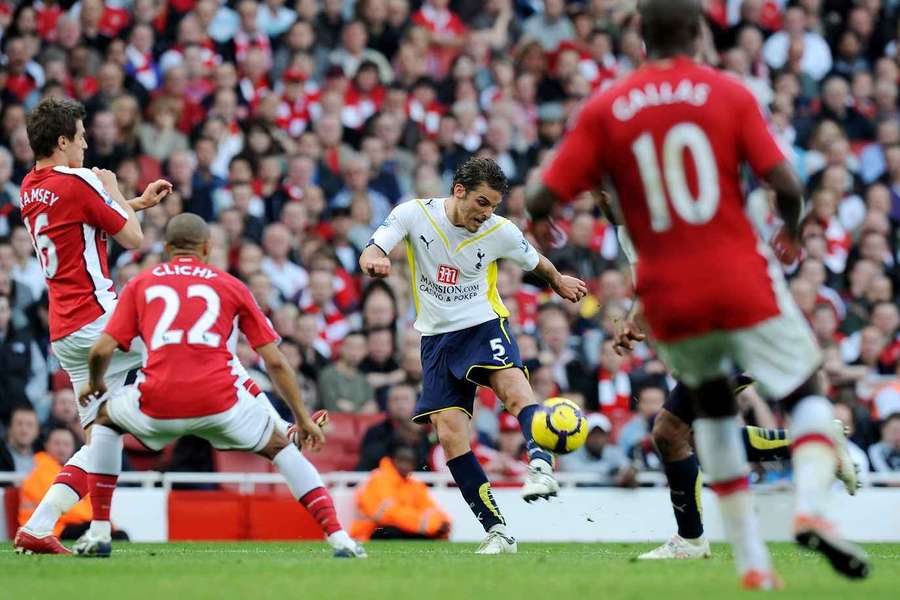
x=420, y=571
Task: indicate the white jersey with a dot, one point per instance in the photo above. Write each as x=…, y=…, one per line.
x=453, y=271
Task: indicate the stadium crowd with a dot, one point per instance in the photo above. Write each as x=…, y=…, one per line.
x=294, y=128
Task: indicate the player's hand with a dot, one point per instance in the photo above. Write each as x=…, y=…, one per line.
x=626, y=336
x=89, y=393
x=785, y=247
x=107, y=178
x=570, y=288
x=311, y=436
x=153, y=195
x=377, y=267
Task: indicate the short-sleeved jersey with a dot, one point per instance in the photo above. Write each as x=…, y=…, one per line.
x=186, y=312
x=453, y=272
x=69, y=215
x=670, y=139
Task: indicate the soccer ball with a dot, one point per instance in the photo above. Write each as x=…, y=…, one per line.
x=559, y=426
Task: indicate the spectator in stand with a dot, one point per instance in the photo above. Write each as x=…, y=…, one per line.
x=600, y=457
x=551, y=27
x=397, y=428
x=17, y=450
x=885, y=455
x=342, y=386
x=577, y=255
x=58, y=448
x=392, y=505
x=63, y=414
x=634, y=438
x=816, y=55
x=15, y=364
x=288, y=277
x=381, y=368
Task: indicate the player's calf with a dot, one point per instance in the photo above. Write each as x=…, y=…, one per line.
x=104, y=466
x=307, y=487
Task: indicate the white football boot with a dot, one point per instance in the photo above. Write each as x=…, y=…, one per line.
x=91, y=545
x=678, y=548
x=846, y=469
x=498, y=542
x=345, y=546
x=539, y=482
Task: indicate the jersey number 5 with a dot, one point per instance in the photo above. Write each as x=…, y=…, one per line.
x=673, y=180
x=199, y=332
x=43, y=245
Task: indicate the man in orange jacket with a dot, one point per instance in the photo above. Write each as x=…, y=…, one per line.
x=59, y=447
x=393, y=505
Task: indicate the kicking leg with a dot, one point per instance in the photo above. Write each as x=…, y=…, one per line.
x=307, y=488
x=514, y=391
x=671, y=435
x=721, y=453
x=814, y=461
x=452, y=428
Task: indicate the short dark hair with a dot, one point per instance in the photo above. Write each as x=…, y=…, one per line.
x=476, y=171
x=52, y=118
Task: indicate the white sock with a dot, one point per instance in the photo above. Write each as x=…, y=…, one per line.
x=815, y=461
x=101, y=529
x=300, y=474
x=340, y=539
x=56, y=502
x=723, y=459
x=105, y=457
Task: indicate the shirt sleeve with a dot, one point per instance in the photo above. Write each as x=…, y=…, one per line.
x=123, y=326
x=100, y=210
x=394, y=228
x=251, y=320
x=756, y=143
x=515, y=247
x=577, y=165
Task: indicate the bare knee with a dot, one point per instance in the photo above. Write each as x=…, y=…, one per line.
x=513, y=389
x=276, y=444
x=453, y=432
x=671, y=436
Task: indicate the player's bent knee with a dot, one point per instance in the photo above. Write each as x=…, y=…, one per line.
x=671, y=436
x=513, y=389
x=810, y=387
x=714, y=399
x=276, y=444
x=452, y=428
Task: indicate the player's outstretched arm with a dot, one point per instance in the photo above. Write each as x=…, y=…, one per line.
x=374, y=262
x=98, y=361
x=788, y=197
x=570, y=288
x=286, y=384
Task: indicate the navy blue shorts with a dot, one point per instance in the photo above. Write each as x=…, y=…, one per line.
x=454, y=364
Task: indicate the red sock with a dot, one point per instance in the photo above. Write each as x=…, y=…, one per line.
x=75, y=478
x=102, y=488
x=319, y=504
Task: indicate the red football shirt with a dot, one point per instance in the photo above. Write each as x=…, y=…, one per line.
x=69, y=215
x=186, y=311
x=670, y=139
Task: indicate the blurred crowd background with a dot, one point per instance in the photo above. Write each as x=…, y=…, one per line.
x=294, y=128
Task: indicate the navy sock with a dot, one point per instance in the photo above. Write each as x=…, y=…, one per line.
x=766, y=445
x=476, y=489
x=534, y=451
x=684, y=490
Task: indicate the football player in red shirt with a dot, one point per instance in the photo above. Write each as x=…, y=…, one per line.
x=70, y=212
x=188, y=315
x=671, y=139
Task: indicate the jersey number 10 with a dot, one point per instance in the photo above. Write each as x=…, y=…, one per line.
x=673, y=180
